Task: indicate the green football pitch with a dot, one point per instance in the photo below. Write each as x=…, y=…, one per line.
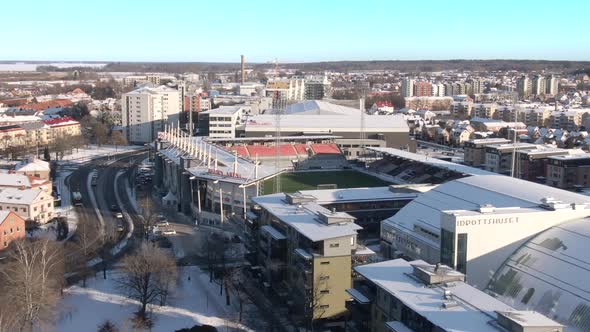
x=292, y=182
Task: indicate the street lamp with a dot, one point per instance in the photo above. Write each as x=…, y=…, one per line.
x=220, y=200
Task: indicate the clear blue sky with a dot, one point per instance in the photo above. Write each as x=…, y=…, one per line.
x=293, y=31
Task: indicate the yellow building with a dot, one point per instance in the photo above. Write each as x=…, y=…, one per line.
x=305, y=253
x=30, y=204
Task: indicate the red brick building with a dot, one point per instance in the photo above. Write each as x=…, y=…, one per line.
x=12, y=227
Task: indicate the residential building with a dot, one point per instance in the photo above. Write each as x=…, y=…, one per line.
x=13, y=179
x=37, y=133
x=305, y=251
x=408, y=87
x=287, y=89
x=63, y=127
x=402, y=296
x=484, y=110
x=438, y=90
x=146, y=110
x=499, y=156
x=12, y=135
x=524, y=87
x=538, y=85
x=12, y=227
x=461, y=109
x=532, y=164
x=31, y=204
x=569, y=120
x=475, y=153
x=317, y=87
x=551, y=85
x=569, y=171
x=34, y=167
x=422, y=89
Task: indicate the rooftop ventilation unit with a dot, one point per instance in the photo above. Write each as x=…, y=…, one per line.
x=486, y=208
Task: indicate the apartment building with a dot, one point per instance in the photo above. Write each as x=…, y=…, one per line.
x=317, y=87
x=423, y=89
x=532, y=164
x=11, y=135
x=408, y=87
x=63, y=127
x=12, y=227
x=31, y=204
x=305, y=253
x=569, y=120
x=287, y=89
x=475, y=153
x=462, y=109
x=402, y=296
x=499, y=156
x=569, y=171
x=483, y=110
x=146, y=110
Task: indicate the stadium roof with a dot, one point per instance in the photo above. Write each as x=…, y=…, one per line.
x=432, y=161
x=551, y=274
x=326, y=196
x=327, y=123
x=319, y=107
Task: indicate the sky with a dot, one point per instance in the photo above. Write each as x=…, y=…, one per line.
x=293, y=31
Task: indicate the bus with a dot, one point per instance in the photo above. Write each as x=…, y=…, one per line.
x=77, y=198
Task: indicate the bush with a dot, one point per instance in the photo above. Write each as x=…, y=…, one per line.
x=108, y=326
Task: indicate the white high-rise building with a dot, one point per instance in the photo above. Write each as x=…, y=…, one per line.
x=438, y=90
x=408, y=87
x=147, y=109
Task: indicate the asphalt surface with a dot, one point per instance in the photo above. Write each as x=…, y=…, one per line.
x=104, y=191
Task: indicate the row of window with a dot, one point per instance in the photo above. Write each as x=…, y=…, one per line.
x=12, y=231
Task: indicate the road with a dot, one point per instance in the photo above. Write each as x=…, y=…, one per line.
x=102, y=196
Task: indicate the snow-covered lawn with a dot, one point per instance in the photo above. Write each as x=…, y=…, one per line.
x=194, y=301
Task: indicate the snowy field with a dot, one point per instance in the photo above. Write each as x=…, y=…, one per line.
x=193, y=302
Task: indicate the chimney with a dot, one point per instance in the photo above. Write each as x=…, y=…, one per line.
x=243, y=69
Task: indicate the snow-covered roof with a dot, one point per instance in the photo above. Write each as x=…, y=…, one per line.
x=327, y=123
x=473, y=311
x=550, y=274
x=19, y=196
x=34, y=165
x=14, y=180
x=470, y=193
x=327, y=196
x=225, y=110
x=320, y=107
x=304, y=218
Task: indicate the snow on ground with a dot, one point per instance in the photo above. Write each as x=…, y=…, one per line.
x=93, y=151
x=194, y=301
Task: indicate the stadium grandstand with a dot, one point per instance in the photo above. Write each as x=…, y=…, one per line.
x=405, y=167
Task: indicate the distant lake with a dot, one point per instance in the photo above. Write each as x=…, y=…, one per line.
x=22, y=66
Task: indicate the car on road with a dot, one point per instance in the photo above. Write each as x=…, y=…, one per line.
x=163, y=223
x=120, y=227
x=118, y=215
x=115, y=208
x=169, y=232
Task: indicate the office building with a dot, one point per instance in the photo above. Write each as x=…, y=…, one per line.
x=569, y=171
x=223, y=122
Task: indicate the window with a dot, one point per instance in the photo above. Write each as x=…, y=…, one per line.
x=325, y=263
x=447, y=247
x=5, y=244
x=11, y=231
x=324, y=306
x=352, y=240
x=324, y=277
x=15, y=209
x=462, y=253
x=334, y=245
x=325, y=291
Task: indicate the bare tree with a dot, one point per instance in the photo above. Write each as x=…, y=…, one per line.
x=237, y=287
x=147, y=277
x=315, y=307
x=32, y=281
x=148, y=216
x=86, y=240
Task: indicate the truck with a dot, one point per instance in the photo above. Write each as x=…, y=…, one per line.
x=77, y=198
